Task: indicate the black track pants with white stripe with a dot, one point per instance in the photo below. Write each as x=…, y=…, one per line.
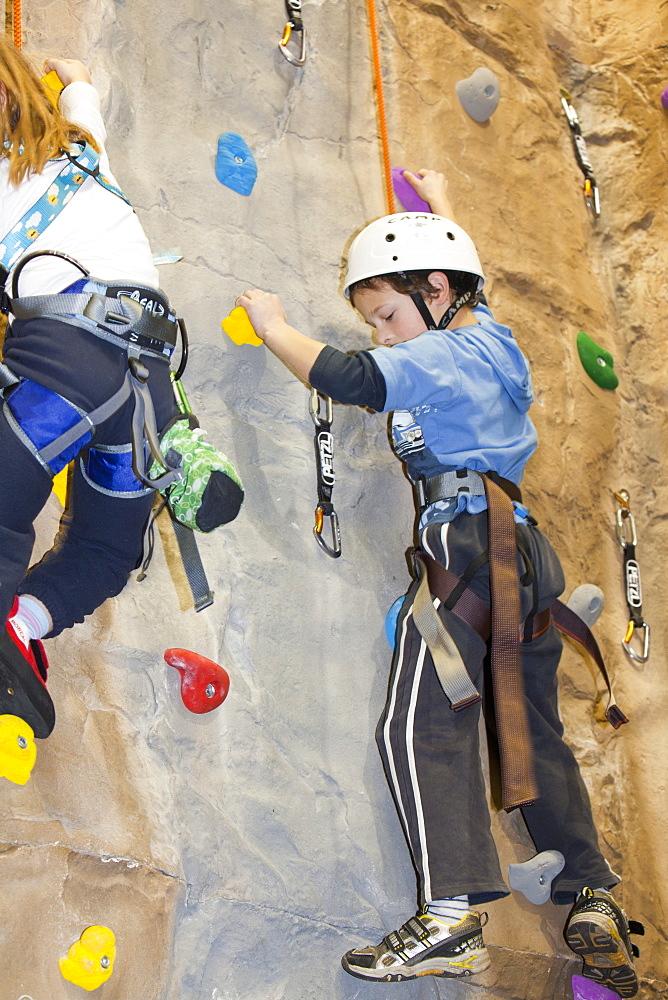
x=431, y=754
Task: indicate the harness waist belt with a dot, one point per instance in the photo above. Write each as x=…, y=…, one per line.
x=449, y=485
x=123, y=317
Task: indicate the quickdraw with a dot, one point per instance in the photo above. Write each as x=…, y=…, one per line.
x=294, y=24
x=628, y=539
x=324, y=457
x=582, y=156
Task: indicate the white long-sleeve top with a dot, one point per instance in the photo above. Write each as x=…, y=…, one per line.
x=96, y=227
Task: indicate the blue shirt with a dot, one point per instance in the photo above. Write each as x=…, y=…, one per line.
x=460, y=399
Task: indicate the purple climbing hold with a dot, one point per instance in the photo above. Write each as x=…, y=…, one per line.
x=235, y=164
x=664, y=98
x=406, y=194
x=585, y=989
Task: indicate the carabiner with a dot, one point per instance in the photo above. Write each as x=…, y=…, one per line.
x=333, y=550
x=626, y=642
x=294, y=11
x=624, y=515
x=314, y=409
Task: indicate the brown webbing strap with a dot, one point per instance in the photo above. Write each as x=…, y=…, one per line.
x=518, y=783
x=477, y=614
x=572, y=625
x=472, y=608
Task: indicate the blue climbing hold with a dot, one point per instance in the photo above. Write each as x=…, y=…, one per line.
x=235, y=164
x=391, y=620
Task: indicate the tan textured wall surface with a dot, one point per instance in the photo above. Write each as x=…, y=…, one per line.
x=238, y=855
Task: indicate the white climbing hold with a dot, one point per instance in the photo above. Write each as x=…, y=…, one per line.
x=534, y=877
x=587, y=602
x=479, y=94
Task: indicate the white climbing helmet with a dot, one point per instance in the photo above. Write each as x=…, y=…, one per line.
x=411, y=241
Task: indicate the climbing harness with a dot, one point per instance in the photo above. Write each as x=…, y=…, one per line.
x=324, y=457
x=582, y=156
x=115, y=315
x=294, y=24
x=626, y=536
x=515, y=750
x=380, y=103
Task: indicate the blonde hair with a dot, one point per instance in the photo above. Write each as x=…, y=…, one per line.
x=33, y=130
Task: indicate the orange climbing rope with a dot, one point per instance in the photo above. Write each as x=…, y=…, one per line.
x=16, y=23
x=382, y=122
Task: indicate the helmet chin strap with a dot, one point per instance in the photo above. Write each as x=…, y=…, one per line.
x=447, y=316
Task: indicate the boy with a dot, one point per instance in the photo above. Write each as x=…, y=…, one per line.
x=460, y=390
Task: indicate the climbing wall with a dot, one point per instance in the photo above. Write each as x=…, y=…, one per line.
x=239, y=854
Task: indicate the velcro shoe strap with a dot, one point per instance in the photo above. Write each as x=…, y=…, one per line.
x=394, y=942
x=417, y=929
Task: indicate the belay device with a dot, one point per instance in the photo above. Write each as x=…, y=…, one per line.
x=628, y=539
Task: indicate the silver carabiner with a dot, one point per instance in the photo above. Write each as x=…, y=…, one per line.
x=623, y=516
x=626, y=642
x=283, y=44
x=314, y=408
x=333, y=550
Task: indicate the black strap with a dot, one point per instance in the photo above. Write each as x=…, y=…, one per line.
x=192, y=564
x=633, y=585
x=447, y=316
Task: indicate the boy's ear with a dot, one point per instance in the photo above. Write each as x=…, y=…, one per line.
x=440, y=280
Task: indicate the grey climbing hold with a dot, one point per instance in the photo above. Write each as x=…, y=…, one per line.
x=587, y=602
x=534, y=877
x=479, y=94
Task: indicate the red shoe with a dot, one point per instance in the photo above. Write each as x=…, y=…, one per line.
x=23, y=681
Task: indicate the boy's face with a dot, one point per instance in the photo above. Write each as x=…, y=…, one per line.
x=394, y=316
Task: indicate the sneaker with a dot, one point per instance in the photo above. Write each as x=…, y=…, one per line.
x=23, y=672
x=598, y=930
x=424, y=946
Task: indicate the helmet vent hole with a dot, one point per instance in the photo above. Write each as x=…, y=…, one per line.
x=395, y=258
x=451, y=236
x=390, y=237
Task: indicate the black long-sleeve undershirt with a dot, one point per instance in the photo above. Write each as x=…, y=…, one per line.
x=349, y=378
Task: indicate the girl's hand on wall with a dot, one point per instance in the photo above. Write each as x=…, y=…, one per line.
x=68, y=70
x=264, y=310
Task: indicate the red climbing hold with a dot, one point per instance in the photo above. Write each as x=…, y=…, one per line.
x=204, y=684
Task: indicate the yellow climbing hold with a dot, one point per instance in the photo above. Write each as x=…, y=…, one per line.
x=17, y=749
x=90, y=960
x=238, y=328
x=53, y=85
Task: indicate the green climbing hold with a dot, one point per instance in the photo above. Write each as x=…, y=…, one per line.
x=597, y=362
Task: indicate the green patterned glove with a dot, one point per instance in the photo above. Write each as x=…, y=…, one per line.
x=210, y=492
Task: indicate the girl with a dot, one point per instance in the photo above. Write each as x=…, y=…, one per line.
x=73, y=344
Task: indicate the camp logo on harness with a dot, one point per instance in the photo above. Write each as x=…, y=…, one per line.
x=150, y=305
x=633, y=587
x=326, y=455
